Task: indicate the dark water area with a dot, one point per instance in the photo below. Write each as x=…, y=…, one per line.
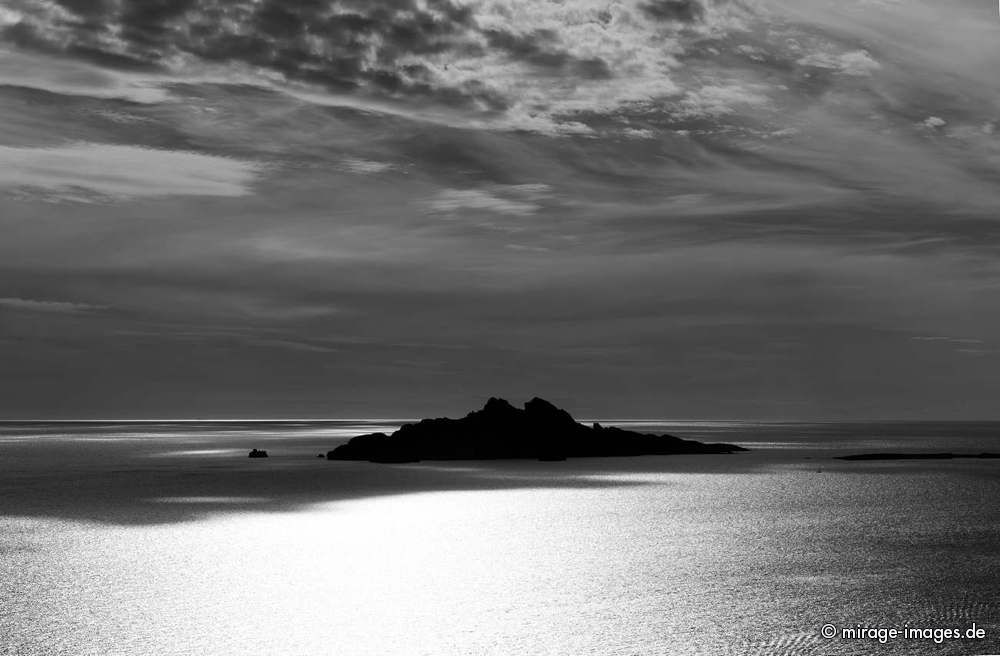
x=116, y=471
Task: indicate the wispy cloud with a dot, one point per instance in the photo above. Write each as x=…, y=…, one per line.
x=516, y=200
x=70, y=76
x=949, y=340
x=123, y=171
x=365, y=166
x=857, y=62
x=54, y=307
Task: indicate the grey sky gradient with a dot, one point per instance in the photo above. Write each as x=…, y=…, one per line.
x=658, y=208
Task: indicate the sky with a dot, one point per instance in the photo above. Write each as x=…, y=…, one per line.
x=757, y=209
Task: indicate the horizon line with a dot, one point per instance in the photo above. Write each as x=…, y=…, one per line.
x=649, y=420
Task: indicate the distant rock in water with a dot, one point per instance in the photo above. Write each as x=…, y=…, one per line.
x=539, y=431
x=917, y=456
x=257, y=453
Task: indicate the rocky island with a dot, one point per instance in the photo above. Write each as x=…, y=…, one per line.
x=538, y=431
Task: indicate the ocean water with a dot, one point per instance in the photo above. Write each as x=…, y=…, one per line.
x=163, y=538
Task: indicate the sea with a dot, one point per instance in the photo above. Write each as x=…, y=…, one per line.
x=163, y=538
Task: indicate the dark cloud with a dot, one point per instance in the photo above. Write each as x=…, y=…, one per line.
x=685, y=11
x=373, y=47
x=540, y=48
x=84, y=47
x=360, y=45
x=342, y=47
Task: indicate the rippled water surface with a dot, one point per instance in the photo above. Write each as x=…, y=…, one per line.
x=163, y=538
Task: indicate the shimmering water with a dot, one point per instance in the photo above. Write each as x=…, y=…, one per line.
x=163, y=538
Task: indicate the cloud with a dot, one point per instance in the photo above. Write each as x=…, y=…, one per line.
x=66, y=76
x=122, y=171
x=353, y=45
x=456, y=201
x=950, y=340
x=538, y=48
x=979, y=352
x=365, y=166
x=551, y=68
x=685, y=11
x=54, y=307
x=9, y=17
x=858, y=63
x=511, y=64
x=714, y=100
x=638, y=133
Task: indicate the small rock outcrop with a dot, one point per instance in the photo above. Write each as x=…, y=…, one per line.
x=538, y=431
x=257, y=453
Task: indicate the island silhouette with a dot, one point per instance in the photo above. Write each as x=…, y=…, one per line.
x=538, y=431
